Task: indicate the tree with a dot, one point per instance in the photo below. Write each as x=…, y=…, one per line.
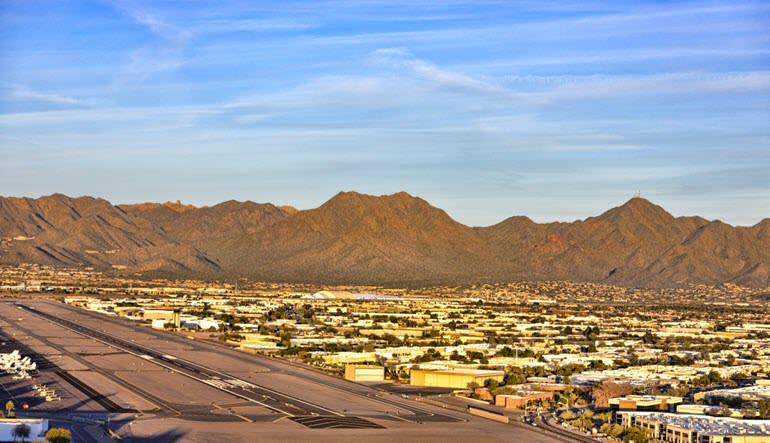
x=21, y=431
x=649, y=338
x=612, y=430
x=516, y=376
x=568, y=398
x=749, y=411
x=585, y=422
x=635, y=435
x=764, y=409
x=608, y=389
x=589, y=333
x=285, y=338
x=58, y=435
x=714, y=377
x=722, y=411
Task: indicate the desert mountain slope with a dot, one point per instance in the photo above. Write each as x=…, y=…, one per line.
x=213, y=228
x=397, y=238
x=356, y=237
x=86, y=231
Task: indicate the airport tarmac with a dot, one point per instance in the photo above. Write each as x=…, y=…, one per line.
x=169, y=388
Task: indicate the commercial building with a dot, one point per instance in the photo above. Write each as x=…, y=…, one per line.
x=706, y=410
x=346, y=295
x=673, y=428
x=453, y=378
x=756, y=392
x=520, y=401
x=364, y=373
x=662, y=403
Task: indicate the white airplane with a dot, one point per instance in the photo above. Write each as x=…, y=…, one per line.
x=14, y=363
x=21, y=375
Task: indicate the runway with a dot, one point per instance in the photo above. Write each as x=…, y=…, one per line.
x=248, y=390
x=192, y=390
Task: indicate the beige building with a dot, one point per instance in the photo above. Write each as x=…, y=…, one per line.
x=453, y=378
x=158, y=314
x=364, y=373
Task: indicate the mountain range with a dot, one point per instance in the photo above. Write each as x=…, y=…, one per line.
x=391, y=239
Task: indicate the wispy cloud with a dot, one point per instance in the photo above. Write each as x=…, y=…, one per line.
x=23, y=92
x=404, y=62
x=399, y=80
x=585, y=26
x=108, y=116
x=168, y=52
x=248, y=25
x=616, y=57
x=152, y=22
x=421, y=83
x=165, y=54
x=451, y=97
x=678, y=83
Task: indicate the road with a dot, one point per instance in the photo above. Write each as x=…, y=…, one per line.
x=547, y=422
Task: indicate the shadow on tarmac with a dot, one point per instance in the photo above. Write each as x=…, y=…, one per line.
x=168, y=436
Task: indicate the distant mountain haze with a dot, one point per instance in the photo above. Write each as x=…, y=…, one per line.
x=392, y=239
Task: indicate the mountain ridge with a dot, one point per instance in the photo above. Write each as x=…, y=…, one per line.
x=389, y=239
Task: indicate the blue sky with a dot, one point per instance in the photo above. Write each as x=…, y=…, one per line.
x=487, y=109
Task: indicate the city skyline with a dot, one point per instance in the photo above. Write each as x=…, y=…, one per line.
x=486, y=110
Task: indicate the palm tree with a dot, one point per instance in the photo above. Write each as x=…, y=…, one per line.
x=9, y=409
x=22, y=431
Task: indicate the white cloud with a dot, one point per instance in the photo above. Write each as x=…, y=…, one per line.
x=617, y=57
x=111, y=115
x=633, y=21
x=400, y=80
x=248, y=25
x=12, y=91
x=566, y=88
x=405, y=63
x=154, y=23
x=167, y=54
x=23, y=92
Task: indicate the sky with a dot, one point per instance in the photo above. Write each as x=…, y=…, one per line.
x=487, y=109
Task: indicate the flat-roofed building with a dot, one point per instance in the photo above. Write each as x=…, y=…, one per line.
x=674, y=428
x=662, y=403
x=340, y=358
x=364, y=373
x=453, y=378
x=705, y=410
x=520, y=401
x=158, y=314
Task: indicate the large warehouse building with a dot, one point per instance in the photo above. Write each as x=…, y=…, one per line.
x=453, y=378
x=364, y=373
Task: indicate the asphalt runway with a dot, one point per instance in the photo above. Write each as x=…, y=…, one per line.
x=118, y=365
x=278, y=385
